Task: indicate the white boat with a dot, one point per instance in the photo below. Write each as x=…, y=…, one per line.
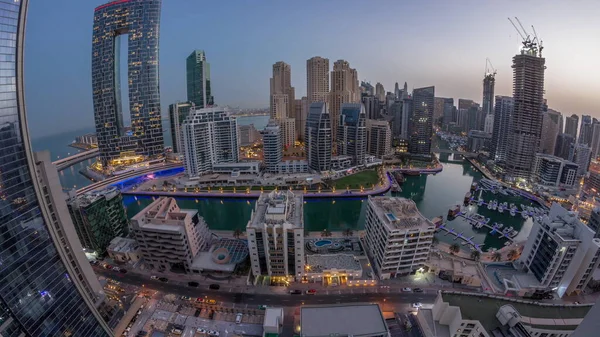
x=513, y=233
x=489, y=206
x=513, y=212
x=500, y=208
x=479, y=202
x=524, y=215
x=507, y=243
x=500, y=226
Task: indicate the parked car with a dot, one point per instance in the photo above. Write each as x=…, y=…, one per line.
x=295, y=292
x=214, y=286
x=211, y=302
x=124, y=271
x=186, y=298
x=311, y=291
x=116, y=269
x=418, y=290
x=262, y=307
x=200, y=300
x=238, y=318
x=193, y=284
x=154, y=277
x=417, y=305
x=407, y=290
x=163, y=279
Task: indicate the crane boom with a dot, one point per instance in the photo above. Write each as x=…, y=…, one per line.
x=518, y=31
x=524, y=31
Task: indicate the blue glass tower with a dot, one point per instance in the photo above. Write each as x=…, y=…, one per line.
x=38, y=297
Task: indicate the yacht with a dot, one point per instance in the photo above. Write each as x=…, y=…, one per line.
x=513, y=211
x=524, y=215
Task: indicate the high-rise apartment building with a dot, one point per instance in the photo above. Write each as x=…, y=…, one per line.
x=421, y=121
x=449, y=111
x=178, y=112
x=502, y=120
x=371, y=104
x=282, y=92
x=571, y=125
x=550, y=170
x=288, y=131
x=580, y=154
x=487, y=105
x=169, y=238
x=197, y=71
x=380, y=92
x=561, y=252
x=438, y=108
x=488, y=125
x=41, y=293
x=550, y=126
x=209, y=137
x=585, y=131
x=398, y=237
x=317, y=80
x=318, y=138
x=379, y=138
x=344, y=89
x=526, y=125
x=276, y=235
x=352, y=132
x=272, y=147
x=248, y=134
x=595, y=143
x=564, y=143
x=301, y=115
x=366, y=88
x=139, y=21
x=99, y=217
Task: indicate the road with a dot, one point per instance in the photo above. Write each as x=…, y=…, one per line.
x=231, y=295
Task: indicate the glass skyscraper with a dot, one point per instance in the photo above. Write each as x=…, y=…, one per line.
x=139, y=20
x=198, y=79
x=38, y=297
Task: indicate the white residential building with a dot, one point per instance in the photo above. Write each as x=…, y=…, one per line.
x=379, y=138
x=210, y=136
x=169, y=237
x=276, y=235
x=398, y=236
x=550, y=170
x=488, y=125
x=272, y=147
x=561, y=252
x=288, y=131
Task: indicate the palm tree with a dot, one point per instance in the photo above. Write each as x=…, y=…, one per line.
x=512, y=254
x=326, y=233
x=455, y=248
x=237, y=233
x=348, y=232
x=496, y=256
x=475, y=255
x=435, y=241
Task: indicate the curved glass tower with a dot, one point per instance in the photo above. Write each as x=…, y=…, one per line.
x=38, y=297
x=139, y=20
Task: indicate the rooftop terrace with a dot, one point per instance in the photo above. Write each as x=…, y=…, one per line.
x=399, y=213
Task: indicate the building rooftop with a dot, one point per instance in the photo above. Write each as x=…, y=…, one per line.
x=342, y=320
x=122, y=245
x=399, y=213
x=89, y=198
x=278, y=208
x=484, y=309
x=163, y=214
x=319, y=263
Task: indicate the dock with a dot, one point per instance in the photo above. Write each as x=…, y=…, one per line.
x=466, y=241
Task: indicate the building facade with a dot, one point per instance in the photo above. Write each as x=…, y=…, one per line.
x=380, y=92
x=288, y=131
x=209, y=137
x=301, y=115
x=344, y=89
x=41, y=293
x=585, y=130
x=99, y=217
x=595, y=141
x=272, y=147
x=139, y=21
x=178, y=112
x=398, y=237
x=478, y=140
x=318, y=138
x=248, y=135
x=379, y=138
x=487, y=105
x=581, y=156
x=561, y=252
x=564, y=142
x=197, y=71
x=526, y=125
x=572, y=125
x=421, y=121
x=352, y=132
x=276, y=235
x=169, y=238
x=317, y=80
x=550, y=170
x=550, y=130
x=281, y=85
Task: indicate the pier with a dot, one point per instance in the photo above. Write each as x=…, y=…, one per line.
x=466, y=241
x=473, y=221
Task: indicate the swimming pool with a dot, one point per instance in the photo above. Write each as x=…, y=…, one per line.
x=322, y=243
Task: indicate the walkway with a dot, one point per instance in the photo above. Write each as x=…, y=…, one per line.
x=62, y=164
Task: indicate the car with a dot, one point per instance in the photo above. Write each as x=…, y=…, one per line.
x=116, y=269
x=311, y=291
x=211, y=302
x=193, y=284
x=262, y=307
x=418, y=290
x=238, y=318
x=124, y=271
x=214, y=286
x=576, y=302
x=295, y=292
x=406, y=290
x=186, y=298
x=154, y=277
x=163, y=279
x=200, y=300
x=417, y=305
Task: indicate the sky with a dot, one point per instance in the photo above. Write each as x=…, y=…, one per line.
x=427, y=42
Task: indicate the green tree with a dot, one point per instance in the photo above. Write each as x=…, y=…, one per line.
x=455, y=248
x=512, y=254
x=325, y=233
x=496, y=256
x=237, y=233
x=475, y=255
x=435, y=241
x=348, y=232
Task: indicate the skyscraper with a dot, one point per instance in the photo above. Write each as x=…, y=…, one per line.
x=502, y=119
x=318, y=137
x=41, y=293
x=209, y=137
x=317, y=80
x=438, y=108
x=526, y=125
x=489, y=82
x=571, y=124
x=585, y=131
x=449, y=109
x=380, y=92
x=344, y=89
x=281, y=85
x=352, y=132
x=379, y=138
x=178, y=112
x=272, y=147
x=595, y=140
x=301, y=115
x=139, y=20
x=580, y=155
x=550, y=124
x=564, y=142
x=198, y=79
x=421, y=122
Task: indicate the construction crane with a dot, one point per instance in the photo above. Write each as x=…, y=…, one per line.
x=531, y=47
x=489, y=68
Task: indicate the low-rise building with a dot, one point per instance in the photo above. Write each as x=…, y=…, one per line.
x=123, y=250
x=341, y=162
x=561, y=252
x=276, y=235
x=365, y=320
x=293, y=166
x=332, y=269
x=169, y=237
x=398, y=237
x=550, y=170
